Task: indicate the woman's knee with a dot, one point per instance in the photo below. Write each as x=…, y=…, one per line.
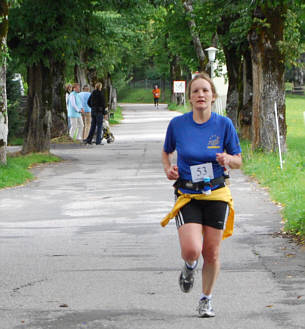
x=191, y=253
x=190, y=236
x=211, y=255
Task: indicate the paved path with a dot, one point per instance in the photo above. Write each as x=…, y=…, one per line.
x=81, y=246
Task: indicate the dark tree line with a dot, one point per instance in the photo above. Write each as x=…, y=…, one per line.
x=90, y=41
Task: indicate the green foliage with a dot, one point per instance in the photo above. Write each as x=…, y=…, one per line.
x=47, y=35
x=293, y=44
x=117, y=37
x=16, y=171
x=285, y=186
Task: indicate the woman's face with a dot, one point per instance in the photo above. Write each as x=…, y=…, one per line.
x=201, y=97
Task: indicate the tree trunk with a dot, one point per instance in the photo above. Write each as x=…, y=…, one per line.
x=188, y=6
x=92, y=78
x=107, y=86
x=233, y=63
x=59, y=110
x=245, y=114
x=268, y=77
x=38, y=126
x=233, y=60
x=175, y=72
x=110, y=94
x=3, y=99
x=3, y=114
x=80, y=70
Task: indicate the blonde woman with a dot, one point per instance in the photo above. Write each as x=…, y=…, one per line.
x=205, y=143
x=97, y=103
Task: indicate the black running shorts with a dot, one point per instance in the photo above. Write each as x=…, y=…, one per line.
x=210, y=213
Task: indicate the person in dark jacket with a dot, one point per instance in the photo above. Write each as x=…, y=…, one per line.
x=97, y=103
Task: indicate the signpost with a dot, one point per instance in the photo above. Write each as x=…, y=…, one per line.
x=278, y=135
x=179, y=88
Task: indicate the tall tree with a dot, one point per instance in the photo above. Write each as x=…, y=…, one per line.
x=268, y=64
x=44, y=42
x=3, y=101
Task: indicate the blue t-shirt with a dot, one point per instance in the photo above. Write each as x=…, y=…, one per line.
x=84, y=95
x=198, y=143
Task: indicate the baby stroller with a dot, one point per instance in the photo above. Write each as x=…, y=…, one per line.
x=107, y=134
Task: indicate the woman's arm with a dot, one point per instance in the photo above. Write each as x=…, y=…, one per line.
x=228, y=160
x=171, y=171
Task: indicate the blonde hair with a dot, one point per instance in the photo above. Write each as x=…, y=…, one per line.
x=204, y=76
x=98, y=85
x=68, y=86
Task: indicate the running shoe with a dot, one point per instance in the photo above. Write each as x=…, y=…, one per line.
x=205, y=309
x=186, y=278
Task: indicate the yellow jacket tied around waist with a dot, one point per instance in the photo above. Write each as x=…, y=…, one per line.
x=221, y=194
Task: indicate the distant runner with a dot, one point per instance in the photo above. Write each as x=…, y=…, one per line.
x=156, y=93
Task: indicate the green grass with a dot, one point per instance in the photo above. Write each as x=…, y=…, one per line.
x=295, y=117
x=180, y=108
x=16, y=171
x=140, y=95
x=117, y=116
x=15, y=141
x=286, y=186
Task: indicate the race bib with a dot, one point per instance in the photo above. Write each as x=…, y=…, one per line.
x=200, y=171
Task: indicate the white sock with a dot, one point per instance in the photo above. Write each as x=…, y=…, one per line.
x=191, y=266
x=209, y=297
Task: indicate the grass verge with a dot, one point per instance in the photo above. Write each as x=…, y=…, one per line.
x=179, y=108
x=117, y=116
x=16, y=171
x=286, y=186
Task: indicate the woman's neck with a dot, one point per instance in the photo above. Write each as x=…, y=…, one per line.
x=202, y=116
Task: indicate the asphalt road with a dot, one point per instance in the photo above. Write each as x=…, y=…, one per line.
x=81, y=246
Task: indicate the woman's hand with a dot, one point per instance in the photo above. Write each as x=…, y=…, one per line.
x=172, y=172
x=227, y=160
x=223, y=159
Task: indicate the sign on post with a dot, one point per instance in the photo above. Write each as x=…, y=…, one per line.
x=179, y=88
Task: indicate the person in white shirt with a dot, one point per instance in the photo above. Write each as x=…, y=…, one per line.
x=74, y=111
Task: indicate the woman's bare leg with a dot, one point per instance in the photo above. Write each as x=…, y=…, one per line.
x=210, y=252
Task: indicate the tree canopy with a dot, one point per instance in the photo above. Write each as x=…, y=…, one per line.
x=119, y=40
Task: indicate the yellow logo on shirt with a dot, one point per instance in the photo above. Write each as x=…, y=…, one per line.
x=214, y=141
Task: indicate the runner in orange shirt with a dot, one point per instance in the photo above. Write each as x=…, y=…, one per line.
x=156, y=93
